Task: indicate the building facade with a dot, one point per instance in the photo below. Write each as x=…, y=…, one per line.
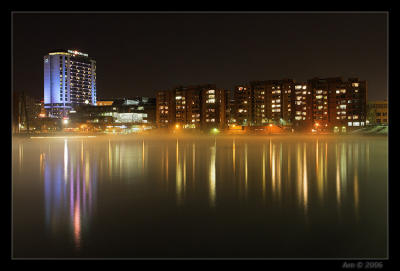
x=139, y=110
x=69, y=80
x=319, y=103
x=378, y=112
x=191, y=107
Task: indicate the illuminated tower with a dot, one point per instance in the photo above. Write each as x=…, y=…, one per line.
x=69, y=80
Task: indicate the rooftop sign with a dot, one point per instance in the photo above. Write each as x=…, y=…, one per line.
x=77, y=53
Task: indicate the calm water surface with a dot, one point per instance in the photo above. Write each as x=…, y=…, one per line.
x=264, y=197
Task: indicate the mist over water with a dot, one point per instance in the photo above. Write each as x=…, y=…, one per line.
x=205, y=196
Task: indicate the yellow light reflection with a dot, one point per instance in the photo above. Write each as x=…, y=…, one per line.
x=143, y=157
x=299, y=173
x=305, y=180
x=245, y=170
x=273, y=167
x=109, y=158
x=193, y=163
x=178, y=178
x=263, y=173
x=211, y=176
x=233, y=157
x=356, y=189
x=338, y=196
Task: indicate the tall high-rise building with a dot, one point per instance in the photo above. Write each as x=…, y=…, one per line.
x=69, y=80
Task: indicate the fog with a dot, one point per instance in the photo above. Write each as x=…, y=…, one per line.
x=177, y=195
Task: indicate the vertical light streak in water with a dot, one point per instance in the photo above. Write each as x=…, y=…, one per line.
x=71, y=191
x=167, y=166
x=338, y=196
x=319, y=170
x=82, y=152
x=119, y=153
x=178, y=174
x=163, y=164
x=211, y=175
x=87, y=179
x=316, y=162
x=77, y=211
x=65, y=160
x=299, y=174
x=143, y=157
x=90, y=182
x=367, y=157
x=41, y=164
x=356, y=189
x=20, y=155
x=263, y=173
x=279, y=171
x=233, y=157
x=289, y=165
x=194, y=163
x=184, y=170
x=305, y=180
x=47, y=191
x=109, y=158
x=343, y=169
x=273, y=172
x=117, y=157
x=245, y=170
x=326, y=166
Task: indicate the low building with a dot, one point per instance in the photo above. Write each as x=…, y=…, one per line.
x=378, y=112
x=139, y=110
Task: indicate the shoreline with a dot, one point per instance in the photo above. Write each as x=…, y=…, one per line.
x=62, y=135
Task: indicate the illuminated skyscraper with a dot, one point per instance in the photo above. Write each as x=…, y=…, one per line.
x=69, y=80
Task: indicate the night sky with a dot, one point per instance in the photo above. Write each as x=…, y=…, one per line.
x=138, y=54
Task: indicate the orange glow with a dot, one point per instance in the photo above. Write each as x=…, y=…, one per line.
x=270, y=125
x=177, y=126
x=317, y=124
x=77, y=223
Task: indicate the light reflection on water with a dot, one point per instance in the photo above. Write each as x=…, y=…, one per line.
x=300, y=176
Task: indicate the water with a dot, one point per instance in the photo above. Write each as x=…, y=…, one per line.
x=258, y=197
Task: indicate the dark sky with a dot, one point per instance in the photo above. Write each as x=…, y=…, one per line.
x=138, y=54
